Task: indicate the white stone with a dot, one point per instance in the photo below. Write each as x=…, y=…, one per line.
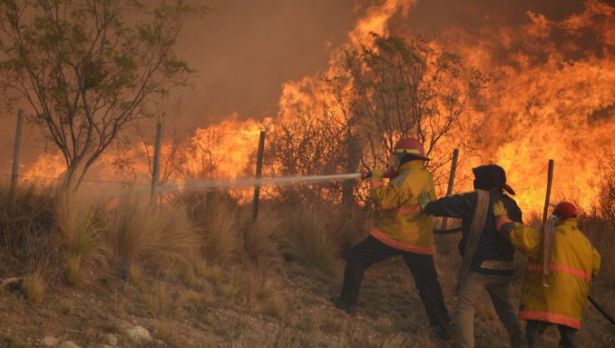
x=139, y=334
x=68, y=344
x=50, y=341
x=111, y=340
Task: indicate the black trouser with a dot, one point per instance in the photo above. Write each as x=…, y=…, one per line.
x=370, y=251
x=535, y=328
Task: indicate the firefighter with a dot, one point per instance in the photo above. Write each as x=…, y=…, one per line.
x=487, y=257
x=401, y=229
x=554, y=294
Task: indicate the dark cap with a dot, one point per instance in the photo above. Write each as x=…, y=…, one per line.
x=490, y=177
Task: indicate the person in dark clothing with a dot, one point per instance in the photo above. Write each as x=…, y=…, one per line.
x=492, y=265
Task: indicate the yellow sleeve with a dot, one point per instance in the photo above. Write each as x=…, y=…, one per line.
x=527, y=240
x=389, y=196
x=596, y=262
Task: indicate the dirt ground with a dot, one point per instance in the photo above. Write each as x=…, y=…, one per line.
x=288, y=306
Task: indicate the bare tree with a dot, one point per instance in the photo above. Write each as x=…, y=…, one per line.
x=406, y=88
x=86, y=70
x=377, y=93
x=307, y=140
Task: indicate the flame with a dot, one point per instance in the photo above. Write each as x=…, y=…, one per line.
x=47, y=168
x=549, y=97
x=543, y=105
x=224, y=150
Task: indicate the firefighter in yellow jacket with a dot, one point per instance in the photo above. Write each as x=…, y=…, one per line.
x=401, y=229
x=554, y=293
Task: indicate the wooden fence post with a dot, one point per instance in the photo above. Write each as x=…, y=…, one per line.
x=156, y=162
x=16, y=154
x=548, y=230
x=259, y=173
x=545, y=211
x=451, y=183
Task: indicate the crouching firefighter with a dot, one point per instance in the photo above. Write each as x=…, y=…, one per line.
x=554, y=292
x=401, y=229
x=487, y=262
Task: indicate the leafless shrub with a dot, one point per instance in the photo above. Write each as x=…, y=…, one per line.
x=26, y=224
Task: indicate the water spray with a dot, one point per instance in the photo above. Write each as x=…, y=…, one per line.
x=212, y=185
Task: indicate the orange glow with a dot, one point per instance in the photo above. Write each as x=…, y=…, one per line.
x=537, y=105
x=222, y=151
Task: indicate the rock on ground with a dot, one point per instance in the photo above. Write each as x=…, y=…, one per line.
x=50, y=341
x=111, y=340
x=68, y=344
x=139, y=334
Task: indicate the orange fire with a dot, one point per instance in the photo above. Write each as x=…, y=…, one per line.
x=539, y=104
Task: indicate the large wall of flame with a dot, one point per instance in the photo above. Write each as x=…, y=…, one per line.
x=550, y=92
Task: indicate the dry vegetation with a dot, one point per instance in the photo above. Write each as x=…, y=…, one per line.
x=195, y=270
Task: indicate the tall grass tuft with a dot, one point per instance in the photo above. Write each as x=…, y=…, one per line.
x=216, y=216
x=599, y=226
x=260, y=239
x=81, y=231
x=307, y=240
x=34, y=287
x=601, y=233
x=143, y=233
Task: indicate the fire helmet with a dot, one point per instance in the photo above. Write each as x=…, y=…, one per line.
x=410, y=146
x=565, y=210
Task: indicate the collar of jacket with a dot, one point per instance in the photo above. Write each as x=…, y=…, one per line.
x=568, y=222
x=412, y=165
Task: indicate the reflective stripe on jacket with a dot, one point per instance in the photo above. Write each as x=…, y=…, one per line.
x=402, y=224
x=572, y=265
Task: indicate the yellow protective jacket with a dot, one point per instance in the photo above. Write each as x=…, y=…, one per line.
x=402, y=224
x=572, y=265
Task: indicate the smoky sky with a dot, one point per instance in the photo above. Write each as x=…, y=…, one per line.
x=245, y=50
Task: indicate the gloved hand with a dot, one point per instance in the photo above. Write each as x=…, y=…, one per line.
x=424, y=199
x=377, y=174
x=365, y=173
x=501, y=215
x=499, y=210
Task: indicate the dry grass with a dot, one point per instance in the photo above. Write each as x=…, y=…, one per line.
x=163, y=330
x=159, y=300
x=235, y=292
x=141, y=232
x=218, y=222
x=81, y=231
x=601, y=233
x=260, y=239
x=275, y=306
x=307, y=240
x=67, y=307
x=34, y=288
x=73, y=269
x=26, y=225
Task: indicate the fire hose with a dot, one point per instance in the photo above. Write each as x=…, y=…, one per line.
x=601, y=310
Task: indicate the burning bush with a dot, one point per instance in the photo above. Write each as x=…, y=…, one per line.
x=600, y=227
